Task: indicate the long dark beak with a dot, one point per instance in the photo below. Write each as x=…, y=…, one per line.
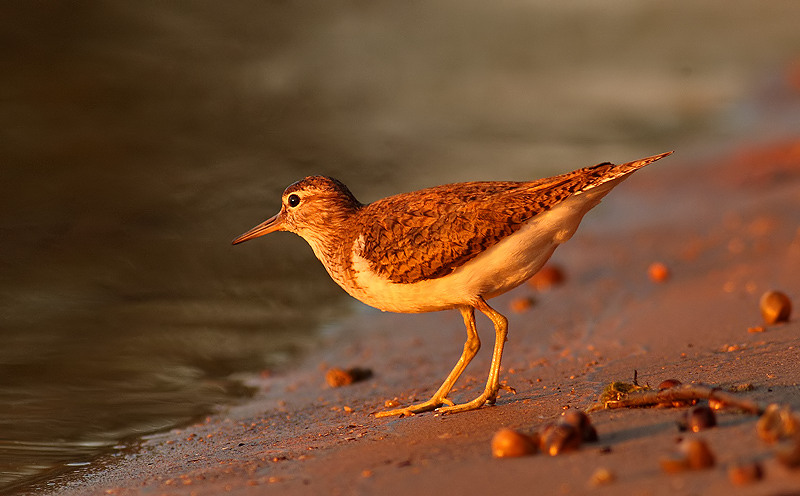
x=274, y=223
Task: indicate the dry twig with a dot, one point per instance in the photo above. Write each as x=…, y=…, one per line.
x=643, y=397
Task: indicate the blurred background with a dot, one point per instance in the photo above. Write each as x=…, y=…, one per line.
x=139, y=138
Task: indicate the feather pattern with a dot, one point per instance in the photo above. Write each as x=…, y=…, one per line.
x=429, y=233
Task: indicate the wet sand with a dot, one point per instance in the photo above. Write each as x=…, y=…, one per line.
x=727, y=228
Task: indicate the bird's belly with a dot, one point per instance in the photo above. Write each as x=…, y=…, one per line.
x=512, y=261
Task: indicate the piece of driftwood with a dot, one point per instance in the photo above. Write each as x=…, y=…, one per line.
x=624, y=395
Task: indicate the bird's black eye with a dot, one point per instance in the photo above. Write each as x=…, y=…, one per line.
x=293, y=200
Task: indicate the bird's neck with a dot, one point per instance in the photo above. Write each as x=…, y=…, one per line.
x=331, y=238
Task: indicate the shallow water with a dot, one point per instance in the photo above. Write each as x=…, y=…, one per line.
x=141, y=137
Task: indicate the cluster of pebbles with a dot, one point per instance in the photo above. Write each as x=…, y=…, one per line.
x=777, y=425
x=571, y=430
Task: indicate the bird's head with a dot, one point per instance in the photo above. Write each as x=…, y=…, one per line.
x=309, y=207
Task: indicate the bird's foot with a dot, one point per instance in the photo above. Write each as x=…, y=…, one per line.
x=470, y=405
x=488, y=397
x=425, y=406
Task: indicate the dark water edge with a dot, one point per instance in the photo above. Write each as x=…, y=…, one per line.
x=142, y=136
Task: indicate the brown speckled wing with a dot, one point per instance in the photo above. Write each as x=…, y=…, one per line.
x=429, y=233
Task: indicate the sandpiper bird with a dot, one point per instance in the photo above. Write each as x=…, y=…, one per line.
x=451, y=246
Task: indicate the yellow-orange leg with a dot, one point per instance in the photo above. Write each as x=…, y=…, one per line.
x=439, y=398
x=489, y=394
x=471, y=347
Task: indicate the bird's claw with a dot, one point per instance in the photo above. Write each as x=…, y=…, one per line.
x=411, y=410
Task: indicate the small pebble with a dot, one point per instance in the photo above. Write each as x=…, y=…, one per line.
x=559, y=438
x=698, y=454
x=581, y=422
x=508, y=443
x=521, y=304
x=547, y=277
x=602, y=476
x=575, y=418
x=336, y=377
x=756, y=329
x=775, y=307
x=693, y=454
x=700, y=418
x=658, y=272
x=668, y=384
x=742, y=474
x=776, y=423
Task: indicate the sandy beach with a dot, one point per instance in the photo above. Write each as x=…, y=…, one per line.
x=725, y=225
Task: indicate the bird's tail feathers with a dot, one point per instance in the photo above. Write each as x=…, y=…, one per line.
x=618, y=172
